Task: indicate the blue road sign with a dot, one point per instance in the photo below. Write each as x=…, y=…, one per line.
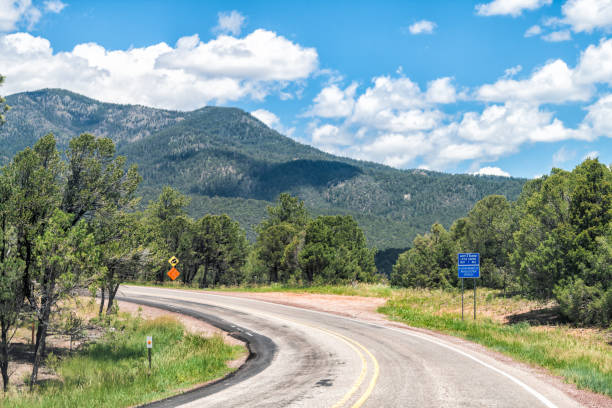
x=468, y=265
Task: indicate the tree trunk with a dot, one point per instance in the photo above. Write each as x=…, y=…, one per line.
x=112, y=291
x=39, y=348
x=43, y=324
x=101, y=302
x=5, y=358
x=203, y=280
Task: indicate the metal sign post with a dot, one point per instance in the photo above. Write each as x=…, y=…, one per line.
x=468, y=266
x=474, y=298
x=461, y=298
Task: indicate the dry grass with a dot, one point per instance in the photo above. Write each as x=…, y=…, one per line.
x=528, y=331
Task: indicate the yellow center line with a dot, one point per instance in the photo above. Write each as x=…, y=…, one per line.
x=357, y=384
x=364, y=367
x=370, y=388
x=364, y=364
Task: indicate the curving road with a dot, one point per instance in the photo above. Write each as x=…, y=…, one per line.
x=305, y=358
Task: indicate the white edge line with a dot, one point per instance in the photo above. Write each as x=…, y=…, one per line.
x=527, y=388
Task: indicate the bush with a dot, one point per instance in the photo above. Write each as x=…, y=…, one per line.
x=605, y=307
x=584, y=304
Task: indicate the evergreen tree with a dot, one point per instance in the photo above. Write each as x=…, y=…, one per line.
x=430, y=263
x=335, y=251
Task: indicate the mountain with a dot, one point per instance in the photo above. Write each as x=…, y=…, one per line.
x=230, y=162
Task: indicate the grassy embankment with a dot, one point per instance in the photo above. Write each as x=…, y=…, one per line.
x=113, y=372
x=525, y=330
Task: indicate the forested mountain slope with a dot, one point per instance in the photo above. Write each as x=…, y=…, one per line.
x=230, y=162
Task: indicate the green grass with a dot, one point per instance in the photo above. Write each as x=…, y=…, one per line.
x=114, y=371
x=580, y=356
x=360, y=289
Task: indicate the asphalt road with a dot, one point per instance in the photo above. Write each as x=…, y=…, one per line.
x=304, y=358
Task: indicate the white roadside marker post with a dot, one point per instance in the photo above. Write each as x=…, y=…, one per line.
x=149, y=347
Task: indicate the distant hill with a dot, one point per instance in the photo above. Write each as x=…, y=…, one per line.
x=230, y=162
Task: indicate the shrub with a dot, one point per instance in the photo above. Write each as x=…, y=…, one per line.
x=584, y=304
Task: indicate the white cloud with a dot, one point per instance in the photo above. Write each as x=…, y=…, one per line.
x=333, y=102
x=598, y=117
x=394, y=149
x=533, y=30
x=591, y=155
x=512, y=71
x=491, y=171
x=441, y=91
x=587, y=15
x=422, y=27
x=512, y=8
x=329, y=135
x=596, y=63
x=555, y=82
x=272, y=121
x=396, y=123
x=54, y=6
x=13, y=12
x=399, y=105
x=267, y=117
x=229, y=23
x=557, y=36
x=184, y=77
x=262, y=55
x=563, y=155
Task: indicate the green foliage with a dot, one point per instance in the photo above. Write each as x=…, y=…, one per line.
x=220, y=249
x=278, y=239
x=585, y=304
x=65, y=257
x=211, y=250
x=52, y=233
x=335, y=251
x=271, y=244
x=488, y=230
x=554, y=242
x=296, y=250
x=429, y=263
x=289, y=210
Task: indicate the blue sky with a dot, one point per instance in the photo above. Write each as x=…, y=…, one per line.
x=509, y=87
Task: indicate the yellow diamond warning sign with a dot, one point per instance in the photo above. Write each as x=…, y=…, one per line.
x=173, y=273
x=173, y=261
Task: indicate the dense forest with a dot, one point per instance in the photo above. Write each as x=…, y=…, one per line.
x=228, y=162
x=554, y=242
